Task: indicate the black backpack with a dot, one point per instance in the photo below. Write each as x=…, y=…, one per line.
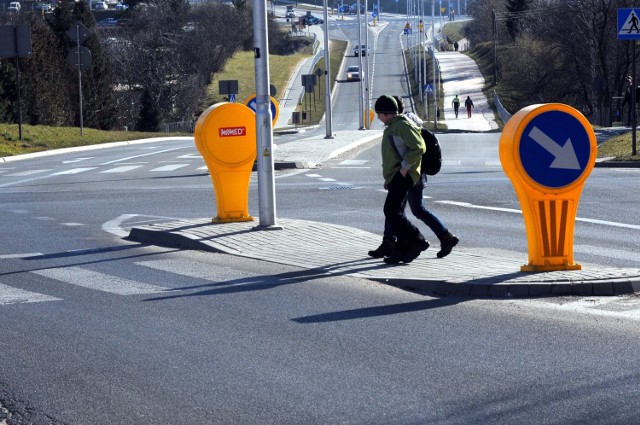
x=432, y=157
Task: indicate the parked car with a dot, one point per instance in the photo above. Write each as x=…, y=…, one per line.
x=109, y=22
x=14, y=7
x=354, y=8
x=290, y=14
x=101, y=6
x=360, y=50
x=353, y=73
x=312, y=20
x=344, y=8
x=43, y=7
x=122, y=6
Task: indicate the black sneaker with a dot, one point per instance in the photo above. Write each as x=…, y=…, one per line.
x=447, y=242
x=385, y=249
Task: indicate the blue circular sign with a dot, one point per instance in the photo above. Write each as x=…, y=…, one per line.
x=253, y=105
x=555, y=149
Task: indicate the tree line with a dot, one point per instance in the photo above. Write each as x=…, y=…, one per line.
x=563, y=51
x=152, y=68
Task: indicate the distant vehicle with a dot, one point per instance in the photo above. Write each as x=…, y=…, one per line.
x=122, y=6
x=43, y=7
x=290, y=14
x=290, y=8
x=344, y=8
x=312, y=20
x=360, y=50
x=354, y=8
x=353, y=73
x=109, y=22
x=14, y=6
x=101, y=6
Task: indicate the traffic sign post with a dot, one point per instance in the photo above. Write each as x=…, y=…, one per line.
x=274, y=107
x=629, y=29
x=548, y=151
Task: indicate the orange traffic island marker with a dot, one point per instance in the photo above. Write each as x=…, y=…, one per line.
x=548, y=151
x=225, y=135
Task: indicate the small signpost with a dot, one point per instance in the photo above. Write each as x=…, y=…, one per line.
x=79, y=57
x=629, y=29
x=15, y=42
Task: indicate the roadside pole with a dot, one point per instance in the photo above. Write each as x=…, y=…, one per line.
x=264, y=130
x=628, y=29
x=327, y=76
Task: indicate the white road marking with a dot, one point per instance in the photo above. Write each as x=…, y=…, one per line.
x=99, y=281
x=77, y=160
x=26, y=255
x=73, y=171
x=122, y=169
x=11, y=295
x=313, y=175
x=511, y=210
x=138, y=156
x=72, y=224
x=170, y=167
x=27, y=173
x=326, y=179
x=353, y=162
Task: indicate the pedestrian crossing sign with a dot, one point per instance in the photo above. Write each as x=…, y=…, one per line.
x=629, y=24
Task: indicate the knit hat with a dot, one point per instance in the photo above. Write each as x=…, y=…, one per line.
x=386, y=105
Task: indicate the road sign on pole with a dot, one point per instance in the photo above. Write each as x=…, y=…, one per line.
x=629, y=24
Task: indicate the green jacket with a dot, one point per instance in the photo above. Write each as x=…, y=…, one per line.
x=409, y=144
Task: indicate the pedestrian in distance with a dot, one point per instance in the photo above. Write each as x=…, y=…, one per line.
x=455, y=46
x=456, y=105
x=469, y=105
x=415, y=199
x=402, y=148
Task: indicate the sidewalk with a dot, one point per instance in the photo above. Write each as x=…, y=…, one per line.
x=338, y=250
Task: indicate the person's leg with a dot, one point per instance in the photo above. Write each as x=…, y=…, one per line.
x=418, y=209
x=410, y=241
x=416, y=203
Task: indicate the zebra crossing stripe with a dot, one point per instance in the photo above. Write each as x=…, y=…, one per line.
x=122, y=169
x=99, y=281
x=11, y=295
x=170, y=167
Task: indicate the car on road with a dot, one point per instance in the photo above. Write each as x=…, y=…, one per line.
x=122, y=6
x=354, y=9
x=353, y=73
x=312, y=20
x=101, y=6
x=14, y=7
x=43, y=7
x=360, y=50
x=109, y=22
x=290, y=14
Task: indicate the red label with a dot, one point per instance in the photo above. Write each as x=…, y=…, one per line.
x=233, y=131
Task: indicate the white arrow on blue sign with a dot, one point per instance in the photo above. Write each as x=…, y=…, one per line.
x=554, y=149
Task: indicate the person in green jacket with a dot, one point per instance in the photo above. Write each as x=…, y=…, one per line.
x=402, y=148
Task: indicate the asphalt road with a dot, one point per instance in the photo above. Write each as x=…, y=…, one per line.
x=100, y=330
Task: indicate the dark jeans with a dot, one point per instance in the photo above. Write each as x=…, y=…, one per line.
x=395, y=218
x=416, y=204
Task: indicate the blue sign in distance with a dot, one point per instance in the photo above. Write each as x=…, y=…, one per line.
x=629, y=24
x=252, y=104
x=374, y=14
x=554, y=149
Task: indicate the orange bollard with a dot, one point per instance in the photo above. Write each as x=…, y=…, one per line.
x=225, y=135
